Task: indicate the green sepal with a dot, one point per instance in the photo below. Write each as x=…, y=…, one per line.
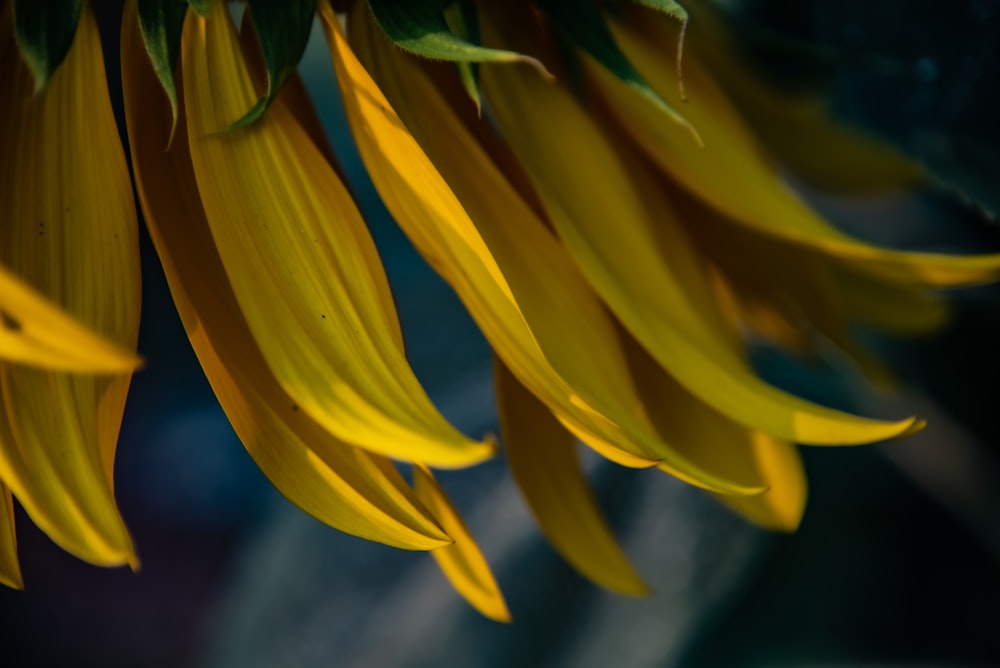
x=419, y=26
x=44, y=30
x=283, y=31
x=201, y=7
x=668, y=7
x=675, y=11
x=463, y=19
x=582, y=25
x=161, y=23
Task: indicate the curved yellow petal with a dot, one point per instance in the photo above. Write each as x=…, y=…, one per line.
x=36, y=332
x=780, y=508
x=69, y=230
x=298, y=258
x=10, y=568
x=543, y=460
x=572, y=328
x=731, y=172
x=462, y=563
x=339, y=484
x=643, y=264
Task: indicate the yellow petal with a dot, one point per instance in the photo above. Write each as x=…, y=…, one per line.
x=35, y=332
x=300, y=262
x=544, y=462
x=797, y=126
x=339, y=484
x=780, y=508
x=731, y=172
x=643, y=265
x=567, y=321
x=10, y=569
x=462, y=563
x=70, y=232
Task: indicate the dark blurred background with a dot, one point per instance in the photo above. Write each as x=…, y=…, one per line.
x=897, y=562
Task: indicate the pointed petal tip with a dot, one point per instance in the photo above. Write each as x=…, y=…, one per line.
x=913, y=426
x=713, y=483
x=503, y=617
x=13, y=581
x=625, y=583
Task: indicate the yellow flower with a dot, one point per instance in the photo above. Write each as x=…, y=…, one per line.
x=613, y=262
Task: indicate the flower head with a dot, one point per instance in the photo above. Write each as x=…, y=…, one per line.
x=615, y=239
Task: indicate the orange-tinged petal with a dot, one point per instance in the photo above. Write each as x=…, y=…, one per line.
x=732, y=173
x=339, y=484
x=10, y=568
x=643, y=265
x=69, y=230
x=462, y=563
x=544, y=462
x=571, y=326
x=298, y=258
x=34, y=331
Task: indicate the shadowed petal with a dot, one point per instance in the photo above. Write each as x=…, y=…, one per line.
x=570, y=324
x=10, y=569
x=731, y=172
x=69, y=230
x=625, y=236
x=798, y=127
x=543, y=460
x=780, y=508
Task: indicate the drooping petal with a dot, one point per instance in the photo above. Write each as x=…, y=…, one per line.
x=780, y=508
x=733, y=450
x=566, y=319
x=436, y=223
x=643, y=265
x=462, y=563
x=543, y=460
x=300, y=262
x=10, y=568
x=69, y=230
x=36, y=332
x=339, y=484
x=734, y=175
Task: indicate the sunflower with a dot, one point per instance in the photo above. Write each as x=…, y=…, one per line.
x=607, y=214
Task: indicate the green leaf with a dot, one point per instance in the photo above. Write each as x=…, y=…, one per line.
x=582, y=25
x=161, y=22
x=44, y=30
x=283, y=30
x=419, y=26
